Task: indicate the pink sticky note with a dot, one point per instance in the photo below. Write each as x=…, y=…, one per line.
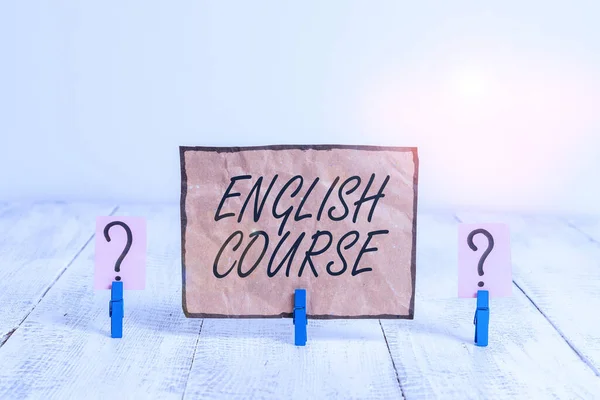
x=132, y=268
x=490, y=243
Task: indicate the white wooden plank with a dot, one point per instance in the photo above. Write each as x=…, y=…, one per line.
x=63, y=350
x=588, y=225
x=251, y=358
x=37, y=242
x=558, y=267
x=435, y=355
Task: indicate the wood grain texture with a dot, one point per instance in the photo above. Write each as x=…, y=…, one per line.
x=37, y=243
x=558, y=267
x=257, y=359
x=589, y=226
x=64, y=350
x=435, y=355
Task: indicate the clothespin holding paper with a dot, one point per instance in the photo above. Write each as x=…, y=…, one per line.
x=484, y=270
x=482, y=318
x=120, y=262
x=299, y=317
x=116, y=310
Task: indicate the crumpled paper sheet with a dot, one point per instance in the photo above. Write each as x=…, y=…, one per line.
x=386, y=291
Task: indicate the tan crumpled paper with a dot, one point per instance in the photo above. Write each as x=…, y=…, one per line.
x=319, y=209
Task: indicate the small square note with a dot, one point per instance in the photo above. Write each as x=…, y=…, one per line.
x=120, y=252
x=484, y=261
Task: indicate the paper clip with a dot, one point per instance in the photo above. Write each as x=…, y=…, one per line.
x=482, y=318
x=299, y=317
x=115, y=310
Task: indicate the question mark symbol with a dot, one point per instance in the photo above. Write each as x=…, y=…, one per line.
x=127, y=246
x=490, y=239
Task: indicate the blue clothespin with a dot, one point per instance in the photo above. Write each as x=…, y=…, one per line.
x=482, y=318
x=115, y=310
x=300, y=321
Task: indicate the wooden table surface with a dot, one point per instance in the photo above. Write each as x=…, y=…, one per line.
x=55, y=330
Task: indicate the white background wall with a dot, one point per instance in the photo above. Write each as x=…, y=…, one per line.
x=503, y=101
